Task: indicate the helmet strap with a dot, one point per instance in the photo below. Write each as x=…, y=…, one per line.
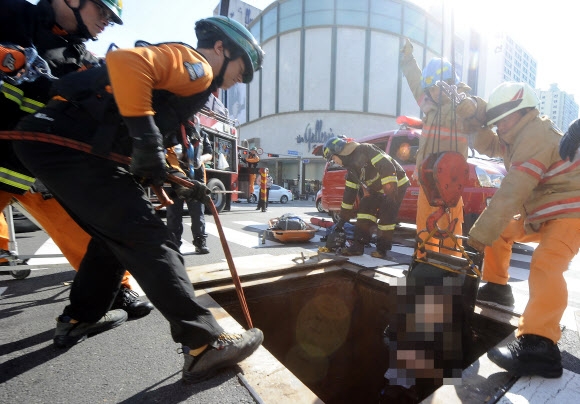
x=219, y=80
x=82, y=30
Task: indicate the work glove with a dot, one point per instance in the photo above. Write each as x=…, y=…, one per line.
x=571, y=141
x=148, y=156
x=199, y=192
x=407, y=50
x=12, y=59
x=472, y=112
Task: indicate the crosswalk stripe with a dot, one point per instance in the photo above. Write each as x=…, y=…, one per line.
x=519, y=265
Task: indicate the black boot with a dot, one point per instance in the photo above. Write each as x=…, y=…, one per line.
x=200, y=247
x=384, y=244
x=361, y=238
x=128, y=300
x=494, y=292
x=356, y=248
x=529, y=355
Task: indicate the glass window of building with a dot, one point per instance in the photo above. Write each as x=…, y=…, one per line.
x=386, y=15
x=270, y=24
x=350, y=12
x=414, y=24
x=255, y=30
x=290, y=15
x=434, y=36
x=319, y=12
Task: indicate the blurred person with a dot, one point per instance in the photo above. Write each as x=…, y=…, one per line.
x=58, y=30
x=383, y=182
x=545, y=191
x=141, y=93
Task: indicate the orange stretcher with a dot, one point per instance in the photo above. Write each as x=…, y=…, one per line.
x=291, y=236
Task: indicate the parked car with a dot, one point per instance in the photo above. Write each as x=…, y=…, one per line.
x=318, y=200
x=277, y=194
x=485, y=176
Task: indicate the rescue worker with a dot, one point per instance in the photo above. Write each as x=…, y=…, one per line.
x=178, y=160
x=383, y=182
x=441, y=131
x=265, y=182
x=57, y=29
x=252, y=160
x=545, y=190
x=140, y=93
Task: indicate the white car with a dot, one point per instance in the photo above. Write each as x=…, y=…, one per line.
x=277, y=194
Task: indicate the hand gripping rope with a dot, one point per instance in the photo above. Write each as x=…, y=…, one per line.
x=119, y=158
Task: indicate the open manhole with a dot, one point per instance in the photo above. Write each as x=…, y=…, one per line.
x=328, y=328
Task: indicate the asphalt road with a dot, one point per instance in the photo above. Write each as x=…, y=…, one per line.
x=137, y=362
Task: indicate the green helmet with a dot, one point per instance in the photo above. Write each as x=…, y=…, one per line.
x=116, y=7
x=236, y=38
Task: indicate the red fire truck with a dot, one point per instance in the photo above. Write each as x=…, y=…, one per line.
x=223, y=172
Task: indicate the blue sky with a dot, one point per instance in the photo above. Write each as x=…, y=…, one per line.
x=159, y=21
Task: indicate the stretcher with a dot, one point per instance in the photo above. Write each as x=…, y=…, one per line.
x=283, y=235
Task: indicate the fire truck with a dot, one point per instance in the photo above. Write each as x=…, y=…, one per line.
x=221, y=172
x=226, y=174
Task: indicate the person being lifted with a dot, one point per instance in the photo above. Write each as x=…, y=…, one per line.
x=123, y=108
x=383, y=183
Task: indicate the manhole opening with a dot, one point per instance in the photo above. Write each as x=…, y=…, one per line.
x=328, y=330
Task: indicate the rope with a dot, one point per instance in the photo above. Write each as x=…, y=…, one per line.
x=119, y=158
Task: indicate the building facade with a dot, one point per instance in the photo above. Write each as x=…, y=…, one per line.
x=558, y=105
x=507, y=60
x=332, y=67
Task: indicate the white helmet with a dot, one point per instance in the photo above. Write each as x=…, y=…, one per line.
x=509, y=97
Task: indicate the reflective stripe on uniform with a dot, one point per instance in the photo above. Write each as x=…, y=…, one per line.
x=15, y=94
x=388, y=180
x=402, y=181
x=386, y=227
x=346, y=206
x=366, y=216
x=375, y=178
x=377, y=158
x=16, y=179
x=350, y=184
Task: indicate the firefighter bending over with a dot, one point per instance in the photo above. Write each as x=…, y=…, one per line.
x=383, y=182
x=125, y=107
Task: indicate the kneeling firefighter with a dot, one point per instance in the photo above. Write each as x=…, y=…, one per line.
x=383, y=182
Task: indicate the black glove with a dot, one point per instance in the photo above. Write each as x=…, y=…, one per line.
x=571, y=141
x=148, y=157
x=199, y=192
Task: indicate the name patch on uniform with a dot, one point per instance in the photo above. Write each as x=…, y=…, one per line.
x=195, y=70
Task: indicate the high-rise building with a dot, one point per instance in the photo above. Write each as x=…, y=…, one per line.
x=507, y=61
x=558, y=105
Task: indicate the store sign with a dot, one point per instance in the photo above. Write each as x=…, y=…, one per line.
x=315, y=135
